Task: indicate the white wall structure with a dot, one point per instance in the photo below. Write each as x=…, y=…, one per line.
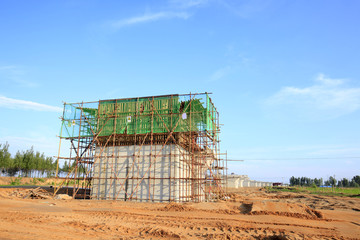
x=246, y=183
x=147, y=173
x=233, y=182
x=241, y=182
x=237, y=181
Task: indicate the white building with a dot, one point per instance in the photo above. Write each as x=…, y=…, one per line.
x=238, y=181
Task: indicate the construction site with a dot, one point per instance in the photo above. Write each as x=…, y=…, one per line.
x=151, y=168
x=156, y=148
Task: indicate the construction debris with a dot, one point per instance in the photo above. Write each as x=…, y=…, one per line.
x=62, y=197
x=36, y=193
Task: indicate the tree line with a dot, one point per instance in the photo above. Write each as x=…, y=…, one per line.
x=305, y=181
x=25, y=163
x=31, y=164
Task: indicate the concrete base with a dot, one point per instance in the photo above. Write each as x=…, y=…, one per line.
x=133, y=172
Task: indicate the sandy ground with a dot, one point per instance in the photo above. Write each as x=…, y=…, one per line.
x=248, y=214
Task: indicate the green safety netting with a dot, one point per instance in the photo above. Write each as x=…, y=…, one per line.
x=140, y=116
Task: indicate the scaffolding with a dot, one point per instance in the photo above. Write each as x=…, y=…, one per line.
x=157, y=148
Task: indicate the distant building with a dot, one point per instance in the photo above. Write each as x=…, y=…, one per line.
x=238, y=181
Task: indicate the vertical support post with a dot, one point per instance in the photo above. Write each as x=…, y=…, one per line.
x=76, y=183
x=57, y=161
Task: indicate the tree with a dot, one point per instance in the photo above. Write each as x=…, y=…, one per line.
x=302, y=181
x=318, y=182
x=332, y=181
x=28, y=161
x=65, y=168
x=5, y=158
x=50, y=166
x=344, y=183
x=292, y=181
x=37, y=163
x=353, y=183
x=18, y=162
x=356, y=179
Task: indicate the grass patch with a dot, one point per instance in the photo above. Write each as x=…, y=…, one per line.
x=25, y=181
x=15, y=181
x=41, y=180
x=348, y=192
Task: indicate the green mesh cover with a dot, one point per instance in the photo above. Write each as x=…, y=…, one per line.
x=140, y=116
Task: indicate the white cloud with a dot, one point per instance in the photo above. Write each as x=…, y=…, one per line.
x=247, y=8
x=148, y=18
x=7, y=68
x=188, y=3
x=322, y=79
x=15, y=74
x=232, y=68
x=221, y=73
x=327, y=98
x=22, y=104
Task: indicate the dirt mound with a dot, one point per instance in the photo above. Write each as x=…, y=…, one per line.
x=267, y=207
x=176, y=207
x=159, y=232
x=34, y=193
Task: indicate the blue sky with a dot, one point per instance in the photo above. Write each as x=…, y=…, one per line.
x=284, y=75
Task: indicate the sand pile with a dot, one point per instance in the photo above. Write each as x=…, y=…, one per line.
x=176, y=207
x=268, y=207
x=158, y=232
